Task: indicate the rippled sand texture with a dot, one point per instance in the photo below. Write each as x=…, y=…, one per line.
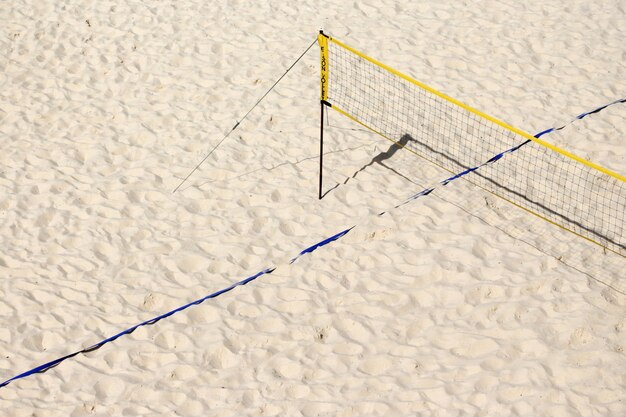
x=457, y=304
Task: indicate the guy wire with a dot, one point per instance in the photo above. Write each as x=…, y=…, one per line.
x=243, y=118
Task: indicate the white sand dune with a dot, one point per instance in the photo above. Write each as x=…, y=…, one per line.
x=456, y=304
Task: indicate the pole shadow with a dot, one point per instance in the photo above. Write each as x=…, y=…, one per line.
x=383, y=156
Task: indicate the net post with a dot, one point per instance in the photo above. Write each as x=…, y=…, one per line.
x=322, y=39
x=321, y=147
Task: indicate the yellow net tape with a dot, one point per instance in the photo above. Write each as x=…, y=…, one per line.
x=554, y=184
x=322, y=40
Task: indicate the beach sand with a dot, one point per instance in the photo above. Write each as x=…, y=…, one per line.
x=456, y=304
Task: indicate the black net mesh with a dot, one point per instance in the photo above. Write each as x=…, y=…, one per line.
x=556, y=187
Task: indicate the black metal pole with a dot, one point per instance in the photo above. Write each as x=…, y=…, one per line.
x=321, y=146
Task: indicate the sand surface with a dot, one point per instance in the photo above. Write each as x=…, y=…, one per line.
x=455, y=305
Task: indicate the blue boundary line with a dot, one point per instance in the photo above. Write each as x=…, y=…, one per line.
x=49, y=365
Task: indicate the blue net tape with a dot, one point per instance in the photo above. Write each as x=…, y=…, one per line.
x=52, y=364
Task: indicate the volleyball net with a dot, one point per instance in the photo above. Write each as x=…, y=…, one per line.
x=551, y=183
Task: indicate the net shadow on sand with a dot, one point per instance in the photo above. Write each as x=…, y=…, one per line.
x=423, y=149
x=599, y=265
